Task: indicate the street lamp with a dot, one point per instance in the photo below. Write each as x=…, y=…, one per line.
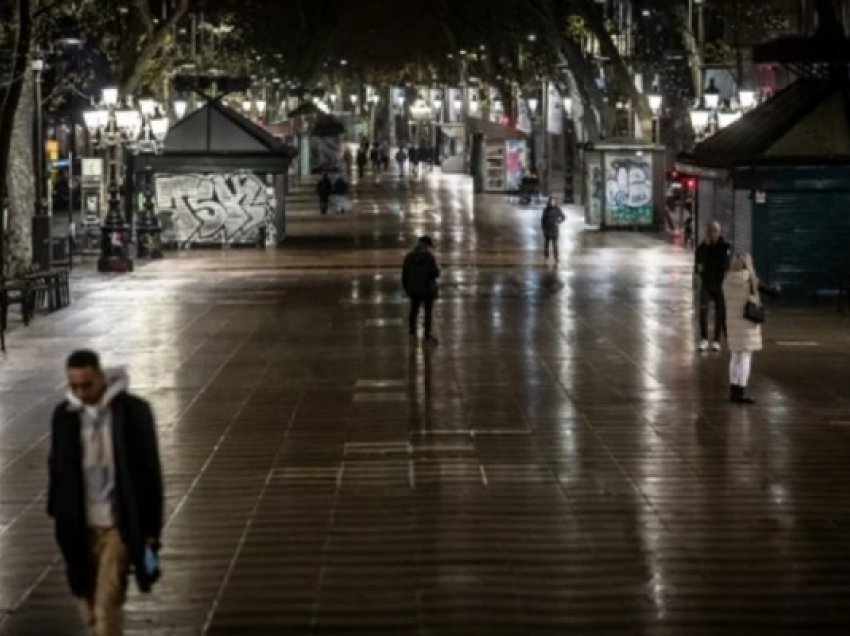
x=656, y=100
x=747, y=98
x=111, y=128
x=728, y=117
x=700, y=119
x=568, y=105
x=712, y=95
x=533, y=103
x=179, y=106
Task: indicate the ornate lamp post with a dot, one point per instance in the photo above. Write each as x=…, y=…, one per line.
x=113, y=127
x=151, y=141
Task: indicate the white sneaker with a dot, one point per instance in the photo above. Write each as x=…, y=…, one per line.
x=715, y=346
x=703, y=345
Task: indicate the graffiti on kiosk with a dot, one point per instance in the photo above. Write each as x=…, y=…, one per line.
x=628, y=189
x=214, y=208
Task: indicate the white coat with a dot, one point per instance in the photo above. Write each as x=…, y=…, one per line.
x=742, y=334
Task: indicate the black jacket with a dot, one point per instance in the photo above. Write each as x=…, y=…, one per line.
x=340, y=188
x=712, y=261
x=138, y=487
x=420, y=273
x=323, y=188
x=551, y=220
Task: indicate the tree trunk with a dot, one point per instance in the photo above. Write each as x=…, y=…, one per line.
x=11, y=98
x=21, y=183
x=594, y=112
x=622, y=75
x=134, y=69
x=689, y=43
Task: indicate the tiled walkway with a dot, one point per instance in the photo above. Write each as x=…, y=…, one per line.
x=562, y=464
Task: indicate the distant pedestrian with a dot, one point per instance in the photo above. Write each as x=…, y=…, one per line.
x=413, y=157
x=348, y=160
x=385, y=159
x=339, y=193
x=362, y=160
x=550, y=223
x=323, y=189
x=400, y=159
x=741, y=286
x=710, y=265
x=375, y=158
x=419, y=280
x=104, y=490
x=689, y=233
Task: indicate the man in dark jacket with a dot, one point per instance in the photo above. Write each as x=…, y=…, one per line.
x=104, y=490
x=550, y=222
x=339, y=191
x=323, y=189
x=419, y=280
x=710, y=266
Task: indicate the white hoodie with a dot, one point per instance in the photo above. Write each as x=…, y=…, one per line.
x=98, y=458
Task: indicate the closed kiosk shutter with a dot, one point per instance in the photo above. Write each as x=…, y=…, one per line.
x=801, y=241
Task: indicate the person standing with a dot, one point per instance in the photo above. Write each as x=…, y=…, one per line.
x=550, y=222
x=323, y=189
x=413, y=155
x=419, y=280
x=741, y=286
x=400, y=159
x=375, y=158
x=104, y=490
x=339, y=191
x=362, y=160
x=710, y=265
x=348, y=160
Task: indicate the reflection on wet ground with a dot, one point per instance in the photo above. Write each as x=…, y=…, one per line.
x=562, y=463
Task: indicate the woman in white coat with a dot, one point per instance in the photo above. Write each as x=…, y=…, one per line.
x=741, y=285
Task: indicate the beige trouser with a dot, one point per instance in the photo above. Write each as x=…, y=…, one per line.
x=102, y=609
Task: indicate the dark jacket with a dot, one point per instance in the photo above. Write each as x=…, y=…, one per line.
x=340, y=187
x=551, y=220
x=138, y=487
x=323, y=188
x=420, y=273
x=712, y=262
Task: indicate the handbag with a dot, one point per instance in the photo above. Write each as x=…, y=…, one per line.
x=754, y=310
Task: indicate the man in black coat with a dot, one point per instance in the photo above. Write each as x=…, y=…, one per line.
x=323, y=189
x=419, y=279
x=710, y=266
x=550, y=223
x=104, y=490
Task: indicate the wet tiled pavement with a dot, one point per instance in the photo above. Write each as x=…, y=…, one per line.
x=562, y=464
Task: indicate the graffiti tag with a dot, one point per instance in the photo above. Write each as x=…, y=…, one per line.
x=214, y=208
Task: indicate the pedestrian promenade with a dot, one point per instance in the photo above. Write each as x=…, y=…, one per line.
x=563, y=463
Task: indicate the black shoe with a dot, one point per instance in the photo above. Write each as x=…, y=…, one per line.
x=744, y=398
x=734, y=394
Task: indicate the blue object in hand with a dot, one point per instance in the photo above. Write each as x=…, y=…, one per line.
x=151, y=561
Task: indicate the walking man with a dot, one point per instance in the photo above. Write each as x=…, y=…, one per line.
x=104, y=491
x=419, y=279
x=323, y=189
x=710, y=266
x=400, y=159
x=551, y=223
